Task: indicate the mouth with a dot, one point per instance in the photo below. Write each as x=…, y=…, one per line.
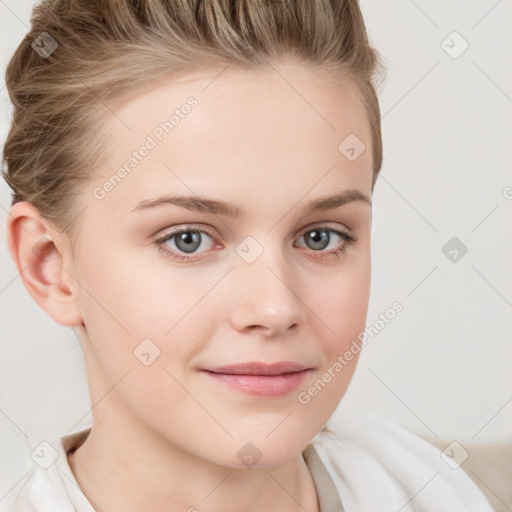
x=260, y=379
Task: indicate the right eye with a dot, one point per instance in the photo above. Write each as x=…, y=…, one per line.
x=185, y=241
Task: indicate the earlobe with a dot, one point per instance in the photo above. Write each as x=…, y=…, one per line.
x=37, y=249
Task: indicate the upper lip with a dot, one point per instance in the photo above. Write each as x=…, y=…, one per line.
x=257, y=368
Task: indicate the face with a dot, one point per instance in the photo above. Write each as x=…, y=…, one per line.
x=172, y=290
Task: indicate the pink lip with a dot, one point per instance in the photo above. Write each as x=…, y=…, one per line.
x=260, y=379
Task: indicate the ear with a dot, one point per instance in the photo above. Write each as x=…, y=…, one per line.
x=39, y=251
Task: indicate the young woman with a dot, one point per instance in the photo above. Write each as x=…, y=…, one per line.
x=192, y=195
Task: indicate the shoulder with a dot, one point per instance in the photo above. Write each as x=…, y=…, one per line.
x=40, y=490
x=374, y=461
x=48, y=483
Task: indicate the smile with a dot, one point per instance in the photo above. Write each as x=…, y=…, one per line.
x=259, y=379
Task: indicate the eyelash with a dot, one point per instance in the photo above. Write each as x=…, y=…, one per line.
x=347, y=241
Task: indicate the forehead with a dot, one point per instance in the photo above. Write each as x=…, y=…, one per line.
x=233, y=132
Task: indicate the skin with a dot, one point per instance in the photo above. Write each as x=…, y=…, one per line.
x=164, y=436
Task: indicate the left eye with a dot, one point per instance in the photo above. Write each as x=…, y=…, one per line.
x=318, y=239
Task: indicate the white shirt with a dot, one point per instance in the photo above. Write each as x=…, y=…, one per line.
x=368, y=464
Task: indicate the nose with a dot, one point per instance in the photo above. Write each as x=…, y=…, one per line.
x=266, y=297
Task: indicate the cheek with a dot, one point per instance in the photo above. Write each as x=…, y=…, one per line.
x=132, y=294
x=341, y=311
x=126, y=302
x=137, y=320
x=342, y=302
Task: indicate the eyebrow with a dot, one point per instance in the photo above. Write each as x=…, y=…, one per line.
x=202, y=204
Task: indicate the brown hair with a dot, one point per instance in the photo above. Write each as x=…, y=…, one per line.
x=80, y=55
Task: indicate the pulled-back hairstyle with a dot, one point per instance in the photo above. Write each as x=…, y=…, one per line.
x=81, y=55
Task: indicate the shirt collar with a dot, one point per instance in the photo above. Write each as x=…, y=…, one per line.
x=328, y=497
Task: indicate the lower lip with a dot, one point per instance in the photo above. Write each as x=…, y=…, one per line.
x=265, y=386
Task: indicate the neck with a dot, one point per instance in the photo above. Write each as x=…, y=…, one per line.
x=119, y=473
